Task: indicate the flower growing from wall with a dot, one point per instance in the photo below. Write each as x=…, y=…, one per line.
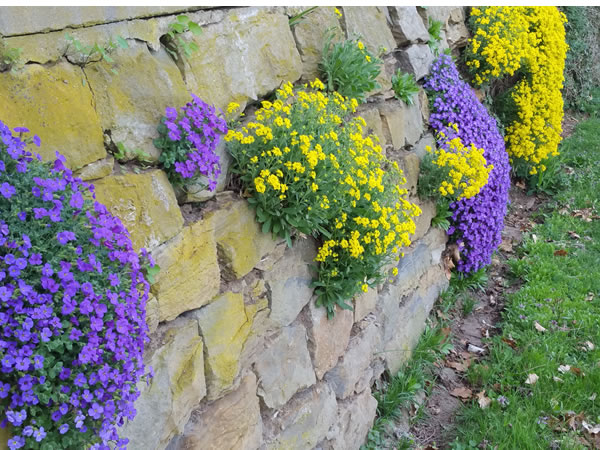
x=188, y=141
x=477, y=222
x=528, y=44
x=308, y=168
x=72, y=307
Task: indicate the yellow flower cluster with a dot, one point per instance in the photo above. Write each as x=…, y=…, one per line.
x=307, y=164
x=531, y=39
x=467, y=169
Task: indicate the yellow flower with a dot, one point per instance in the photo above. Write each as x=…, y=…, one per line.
x=337, y=12
x=360, y=45
x=259, y=184
x=395, y=271
x=232, y=107
x=365, y=287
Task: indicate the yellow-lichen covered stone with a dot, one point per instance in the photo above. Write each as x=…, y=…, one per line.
x=56, y=104
x=146, y=205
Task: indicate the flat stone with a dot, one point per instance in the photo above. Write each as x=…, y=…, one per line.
x=436, y=239
x=311, y=36
x=243, y=57
x=189, y=271
x=413, y=314
x=304, y=421
x=97, y=169
x=410, y=165
x=407, y=25
x=371, y=24
x=355, y=418
x=284, y=367
x=224, y=325
x=423, y=222
x=146, y=205
x=416, y=59
x=240, y=242
x=232, y=422
x=344, y=377
x=457, y=33
x=424, y=104
x=373, y=120
x=56, y=104
x=17, y=20
x=412, y=266
x=289, y=282
x=122, y=99
x=152, y=313
x=364, y=304
x=178, y=386
x=328, y=338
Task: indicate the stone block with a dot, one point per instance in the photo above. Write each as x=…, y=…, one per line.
x=240, y=242
x=232, y=422
x=436, y=239
x=402, y=124
x=364, y=304
x=457, y=33
x=224, y=326
x=374, y=125
x=416, y=59
x=56, y=104
x=371, y=24
x=189, y=271
x=178, y=386
x=146, y=205
x=327, y=338
x=289, y=282
x=197, y=191
x=152, y=313
x=311, y=35
x=413, y=313
x=344, y=377
x=97, y=169
x=424, y=104
x=423, y=222
x=284, y=367
x=407, y=25
x=410, y=165
x=243, y=57
x=412, y=266
x=304, y=421
x=355, y=418
x=132, y=101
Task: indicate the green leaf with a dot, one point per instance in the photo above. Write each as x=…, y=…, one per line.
x=122, y=42
x=195, y=28
x=177, y=27
x=266, y=226
x=151, y=272
x=183, y=19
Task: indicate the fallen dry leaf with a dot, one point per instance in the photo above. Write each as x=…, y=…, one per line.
x=539, y=327
x=510, y=342
x=561, y=252
x=458, y=366
x=475, y=349
x=534, y=237
x=520, y=185
x=574, y=235
x=506, y=246
x=483, y=401
x=592, y=397
x=577, y=371
x=558, y=379
x=588, y=345
x=462, y=392
x=564, y=369
x=590, y=297
x=531, y=379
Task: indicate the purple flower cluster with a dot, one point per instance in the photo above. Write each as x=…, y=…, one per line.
x=479, y=220
x=188, y=141
x=72, y=307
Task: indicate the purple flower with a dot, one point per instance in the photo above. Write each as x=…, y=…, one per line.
x=63, y=428
x=95, y=411
x=39, y=434
x=16, y=442
x=65, y=236
x=36, y=140
x=7, y=190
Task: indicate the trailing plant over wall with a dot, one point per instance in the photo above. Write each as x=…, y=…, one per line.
x=307, y=168
x=188, y=141
x=525, y=48
x=477, y=222
x=72, y=307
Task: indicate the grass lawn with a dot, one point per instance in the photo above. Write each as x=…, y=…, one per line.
x=543, y=371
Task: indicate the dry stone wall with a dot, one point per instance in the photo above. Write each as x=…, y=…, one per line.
x=243, y=359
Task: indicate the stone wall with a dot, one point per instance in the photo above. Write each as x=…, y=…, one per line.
x=242, y=357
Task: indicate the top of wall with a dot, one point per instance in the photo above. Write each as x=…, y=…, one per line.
x=20, y=20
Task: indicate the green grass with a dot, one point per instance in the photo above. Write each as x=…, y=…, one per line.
x=559, y=263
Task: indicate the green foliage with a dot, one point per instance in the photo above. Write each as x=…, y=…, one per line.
x=297, y=18
x=405, y=87
x=473, y=281
x=174, y=42
x=95, y=52
x=442, y=215
x=349, y=68
x=122, y=153
x=9, y=57
x=435, y=29
x=559, y=266
x=582, y=77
